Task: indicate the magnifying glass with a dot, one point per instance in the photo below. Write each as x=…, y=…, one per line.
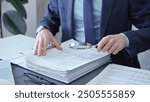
x=80, y=45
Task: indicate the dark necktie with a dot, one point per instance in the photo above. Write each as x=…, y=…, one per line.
x=88, y=22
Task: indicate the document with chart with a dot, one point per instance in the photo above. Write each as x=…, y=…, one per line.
x=115, y=74
x=68, y=64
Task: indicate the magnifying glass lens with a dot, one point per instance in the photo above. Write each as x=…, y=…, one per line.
x=80, y=45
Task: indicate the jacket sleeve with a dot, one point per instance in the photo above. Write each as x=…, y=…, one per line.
x=51, y=19
x=139, y=40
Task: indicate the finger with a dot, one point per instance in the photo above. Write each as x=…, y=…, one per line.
x=113, y=48
x=45, y=47
x=55, y=43
x=40, y=47
x=35, y=47
x=109, y=44
x=116, y=51
x=102, y=43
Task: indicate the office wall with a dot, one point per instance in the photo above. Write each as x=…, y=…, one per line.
x=35, y=10
x=31, y=17
x=41, y=8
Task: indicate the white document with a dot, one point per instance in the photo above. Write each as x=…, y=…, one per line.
x=67, y=59
x=115, y=74
x=68, y=64
x=6, y=76
x=15, y=46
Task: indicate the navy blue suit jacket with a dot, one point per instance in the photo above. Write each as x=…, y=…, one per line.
x=117, y=17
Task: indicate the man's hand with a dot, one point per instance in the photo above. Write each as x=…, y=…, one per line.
x=43, y=38
x=112, y=44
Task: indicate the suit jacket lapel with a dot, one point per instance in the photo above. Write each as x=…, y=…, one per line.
x=107, y=7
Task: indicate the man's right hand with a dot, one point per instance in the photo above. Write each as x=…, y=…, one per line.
x=44, y=37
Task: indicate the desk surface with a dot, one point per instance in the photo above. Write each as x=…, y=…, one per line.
x=22, y=79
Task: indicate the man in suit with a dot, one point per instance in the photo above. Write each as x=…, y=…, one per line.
x=106, y=23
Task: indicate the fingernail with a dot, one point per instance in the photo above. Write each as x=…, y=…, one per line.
x=44, y=54
x=98, y=50
x=109, y=52
x=39, y=55
x=103, y=51
x=60, y=48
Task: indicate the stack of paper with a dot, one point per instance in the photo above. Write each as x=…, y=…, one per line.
x=6, y=76
x=116, y=74
x=68, y=64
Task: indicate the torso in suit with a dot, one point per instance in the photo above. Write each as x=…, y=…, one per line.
x=117, y=17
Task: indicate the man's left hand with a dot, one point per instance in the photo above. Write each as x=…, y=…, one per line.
x=112, y=44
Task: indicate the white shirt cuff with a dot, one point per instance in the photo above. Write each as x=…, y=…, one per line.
x=127, y=43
